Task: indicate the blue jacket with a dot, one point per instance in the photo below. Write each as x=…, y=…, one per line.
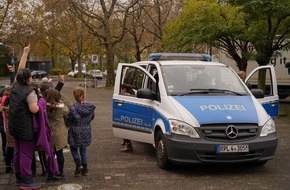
x=80, y=117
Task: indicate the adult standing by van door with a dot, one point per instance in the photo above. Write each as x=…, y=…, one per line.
x=126, y=145
x=243, y=76
x=22, y=105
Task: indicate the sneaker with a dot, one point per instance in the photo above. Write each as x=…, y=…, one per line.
x=53, y=178
x=60, y=176
x=85, y=172
x=127, y=148
x=78, y=171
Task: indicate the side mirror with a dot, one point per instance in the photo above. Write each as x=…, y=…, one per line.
x=145, y=93
x=258, y=93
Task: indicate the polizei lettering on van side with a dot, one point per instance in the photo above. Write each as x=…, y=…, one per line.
x=132, y=120
x=230, y=107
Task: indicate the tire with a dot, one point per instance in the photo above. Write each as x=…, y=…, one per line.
x=161, y=152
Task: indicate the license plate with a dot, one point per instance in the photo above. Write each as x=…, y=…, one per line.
x=232, y=148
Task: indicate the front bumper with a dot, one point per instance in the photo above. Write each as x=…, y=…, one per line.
x=182, y=149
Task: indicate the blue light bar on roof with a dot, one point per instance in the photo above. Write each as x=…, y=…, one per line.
x=179, y=56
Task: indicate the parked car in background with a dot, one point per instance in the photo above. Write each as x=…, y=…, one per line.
x=38, y=74
x=83, y=68
x=96, y=74
x=105, y=73
x=72, y=74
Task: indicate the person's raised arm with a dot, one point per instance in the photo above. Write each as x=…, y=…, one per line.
x=60, y=83
x=24, y=56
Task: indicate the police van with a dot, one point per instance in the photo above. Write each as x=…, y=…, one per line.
x=196, y=111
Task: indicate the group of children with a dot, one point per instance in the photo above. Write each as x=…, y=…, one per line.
x=56, y=124
x=68, y=125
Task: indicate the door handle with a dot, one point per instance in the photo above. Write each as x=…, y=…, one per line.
x=273, y=103
x=119, y=102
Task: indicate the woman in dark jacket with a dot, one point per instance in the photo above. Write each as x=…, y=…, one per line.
x=22, y=104
x=79, y=134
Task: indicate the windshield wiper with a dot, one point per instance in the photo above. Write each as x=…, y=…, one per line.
x=194, y=91
x=227, y=91
x=207, y=91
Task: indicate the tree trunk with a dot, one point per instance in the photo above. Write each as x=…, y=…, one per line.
x=80, y=74
x=110, y=67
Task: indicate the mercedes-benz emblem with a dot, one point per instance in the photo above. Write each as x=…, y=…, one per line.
x=232, y=132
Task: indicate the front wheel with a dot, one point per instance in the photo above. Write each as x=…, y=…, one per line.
x=161, y=152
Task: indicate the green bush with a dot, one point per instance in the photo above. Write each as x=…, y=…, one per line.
x=57, y=71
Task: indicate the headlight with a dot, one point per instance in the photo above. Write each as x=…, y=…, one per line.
x=182, y=128
x=268, y=128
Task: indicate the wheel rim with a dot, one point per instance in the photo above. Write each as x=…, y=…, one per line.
x=161, y=149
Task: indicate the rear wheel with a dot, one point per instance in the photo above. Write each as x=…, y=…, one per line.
x=161, y=152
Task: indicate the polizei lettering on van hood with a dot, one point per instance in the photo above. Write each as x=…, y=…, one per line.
x=232, y=107
x=210, y=109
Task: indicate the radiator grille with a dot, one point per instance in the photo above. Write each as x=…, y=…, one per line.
x=218, y=132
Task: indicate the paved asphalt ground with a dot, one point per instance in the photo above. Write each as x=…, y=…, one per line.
x=111, y=169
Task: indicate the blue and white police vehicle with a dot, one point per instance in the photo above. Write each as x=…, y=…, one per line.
x=196, y=111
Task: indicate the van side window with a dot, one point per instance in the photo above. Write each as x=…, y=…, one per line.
x=153, y=86
x=132, y=77
x=266, y=85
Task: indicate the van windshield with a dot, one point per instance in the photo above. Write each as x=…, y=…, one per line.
x=181, y=80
